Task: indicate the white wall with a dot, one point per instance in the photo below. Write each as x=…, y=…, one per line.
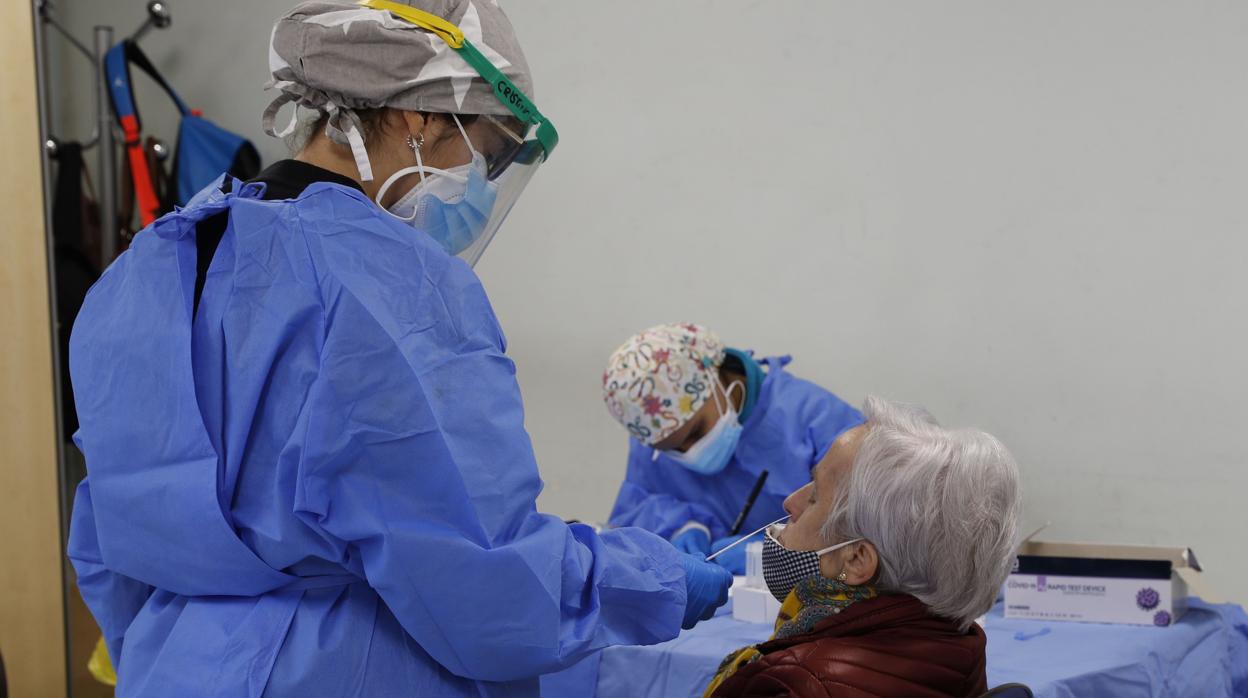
x=1027, y=216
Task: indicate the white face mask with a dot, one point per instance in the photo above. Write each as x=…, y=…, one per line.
x=447, y=186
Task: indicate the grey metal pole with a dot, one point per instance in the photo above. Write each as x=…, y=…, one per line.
x=62, y=470
x=107, y=150
x=45, y=128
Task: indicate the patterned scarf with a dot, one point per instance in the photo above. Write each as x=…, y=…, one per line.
x=811, y=601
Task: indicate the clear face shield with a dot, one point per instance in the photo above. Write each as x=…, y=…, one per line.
x=509, y=165
x=513, y=148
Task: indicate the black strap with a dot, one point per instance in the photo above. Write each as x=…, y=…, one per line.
x=67, y=200
x=72, y=269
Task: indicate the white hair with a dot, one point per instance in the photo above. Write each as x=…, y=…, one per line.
x=940, y=506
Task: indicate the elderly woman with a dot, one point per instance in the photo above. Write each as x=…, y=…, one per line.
x=900, y=541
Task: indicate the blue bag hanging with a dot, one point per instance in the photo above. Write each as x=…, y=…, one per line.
x=203, y=152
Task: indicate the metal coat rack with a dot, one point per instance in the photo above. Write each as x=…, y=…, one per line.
x=104, y=136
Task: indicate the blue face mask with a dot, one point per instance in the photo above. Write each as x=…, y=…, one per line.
x=452, y=206
x=711, y=453
x=456, y=220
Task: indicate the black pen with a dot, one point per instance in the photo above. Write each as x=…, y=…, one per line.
x=749, y=504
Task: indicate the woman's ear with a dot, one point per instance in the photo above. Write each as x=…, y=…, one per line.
x=411, y=123
x=861, y=563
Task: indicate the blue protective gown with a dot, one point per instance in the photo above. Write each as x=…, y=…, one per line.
x=789, y=429
x=321, y=485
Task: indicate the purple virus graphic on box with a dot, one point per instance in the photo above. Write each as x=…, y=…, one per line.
x=1147, y=598
x=1162, y=619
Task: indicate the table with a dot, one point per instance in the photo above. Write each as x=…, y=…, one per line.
x=1204, y=654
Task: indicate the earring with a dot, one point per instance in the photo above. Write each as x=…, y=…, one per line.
x=416, y=144
x=841, y=577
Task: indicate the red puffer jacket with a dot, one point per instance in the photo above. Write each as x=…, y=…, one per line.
x=887, y=646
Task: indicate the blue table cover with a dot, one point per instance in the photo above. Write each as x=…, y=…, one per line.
x=1205, y=654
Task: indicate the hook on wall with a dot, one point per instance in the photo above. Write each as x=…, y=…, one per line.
x=48, y=14
x=157, y=16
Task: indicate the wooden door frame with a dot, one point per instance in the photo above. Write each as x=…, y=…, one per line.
x=32, y=600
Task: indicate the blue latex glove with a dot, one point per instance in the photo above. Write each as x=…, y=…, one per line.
x=694, y=541
x=706, y=589
x=733, y=560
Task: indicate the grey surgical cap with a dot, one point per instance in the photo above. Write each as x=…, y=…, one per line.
x=337, y=57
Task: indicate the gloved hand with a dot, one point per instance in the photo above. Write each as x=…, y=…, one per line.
x=733, y=560
x=693, y=540
x=706, y=589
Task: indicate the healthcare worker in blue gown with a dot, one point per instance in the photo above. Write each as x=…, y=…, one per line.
x=308, y=473
x=705, y=421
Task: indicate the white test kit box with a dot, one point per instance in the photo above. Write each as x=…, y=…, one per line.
x=751, y=600
x=1083, y=582
x=754, y=605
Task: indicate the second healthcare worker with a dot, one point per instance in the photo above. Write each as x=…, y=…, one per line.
x=308, y=468
x=705, y=421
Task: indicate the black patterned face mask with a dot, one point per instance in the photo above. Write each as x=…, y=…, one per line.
x=784, y=568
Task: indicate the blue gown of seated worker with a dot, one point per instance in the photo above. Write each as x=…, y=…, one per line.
x=788, y=424
x=322, y=485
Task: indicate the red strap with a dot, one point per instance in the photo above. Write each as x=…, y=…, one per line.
x=149, y=204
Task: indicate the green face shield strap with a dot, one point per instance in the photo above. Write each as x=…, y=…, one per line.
x=505, y=90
